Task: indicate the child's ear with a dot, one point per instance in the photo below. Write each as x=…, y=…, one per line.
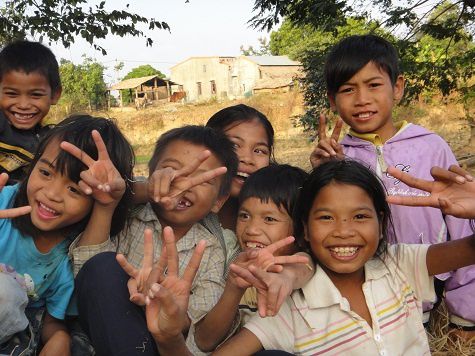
x=331, y=100
x=305, y=232
x=398, y=89
x=56, y=95
x=218, y=204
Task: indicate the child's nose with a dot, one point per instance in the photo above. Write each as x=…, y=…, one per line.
x=23, y=102
x=344, y=229
x=53, y=190
x=362, y=96
x=252, y=228
x=245, y=156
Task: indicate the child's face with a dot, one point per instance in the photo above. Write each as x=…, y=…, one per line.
x=56, y=201
x=252, y=148
x=343, y=229
x=25, y=99
x=260, y=224
x=366, y=100
x=199, y=200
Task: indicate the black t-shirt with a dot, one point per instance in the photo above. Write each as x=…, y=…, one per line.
x=17, y=148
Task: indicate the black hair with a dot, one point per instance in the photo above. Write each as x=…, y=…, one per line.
x=345, y=172
x=213, y=140
x=28, y=57
x=352, y=53
x=236, y=114
x=77, y=129
x=279, y=183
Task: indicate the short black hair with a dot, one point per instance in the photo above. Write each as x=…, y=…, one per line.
x=348, y=172
x=352, y=53
x=77, y=129
x=279, y=183
x=28, y=57
x=236, y=114
x=213, y=140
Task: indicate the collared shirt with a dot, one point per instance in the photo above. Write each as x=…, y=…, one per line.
x=374, y=138
x=208, y=284
x=318, y=320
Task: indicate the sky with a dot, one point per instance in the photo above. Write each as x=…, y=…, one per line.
x=198, y=28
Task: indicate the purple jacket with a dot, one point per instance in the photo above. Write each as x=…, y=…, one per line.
x=416, y=150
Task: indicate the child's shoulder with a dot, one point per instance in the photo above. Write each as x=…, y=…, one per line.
x=7, y=195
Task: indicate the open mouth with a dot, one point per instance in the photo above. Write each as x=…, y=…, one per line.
x=183, y=203
x=241, y=176
x=23, y=117
x=364, y=115
x=46, y=212
x=344, y=252
x=254, y=244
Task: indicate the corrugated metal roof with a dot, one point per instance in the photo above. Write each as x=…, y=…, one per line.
x=273, y=60
x=135, y=82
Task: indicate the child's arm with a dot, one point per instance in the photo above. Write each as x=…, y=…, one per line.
x=14, y=212
x=104, y=183
x=327, y=147
x=55, y=337
x=165, y=186
x=452, y=191
x=217, y=323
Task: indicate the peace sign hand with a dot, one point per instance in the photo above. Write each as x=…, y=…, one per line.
x=167, y=303
x=14, y=212
x=166, y=186
x=327, y=147
x=101, y=179
x=452, y=191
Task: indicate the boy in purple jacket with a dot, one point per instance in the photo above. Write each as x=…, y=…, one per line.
x=363, y=84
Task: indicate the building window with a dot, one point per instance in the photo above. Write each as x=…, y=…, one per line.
x=198, y=87
x=204, y=68
x=213, y=87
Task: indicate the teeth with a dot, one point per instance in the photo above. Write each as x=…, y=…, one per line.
x=242, y=174
x=344, y=251
x=23, y=116
x=364, y=115
x=184, y=202
x=253, y=244
x=52, y=211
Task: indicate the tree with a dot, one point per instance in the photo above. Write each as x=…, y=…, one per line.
x=140, y=71
x=435, y=46
x=64, y=20
x=263, y=50
x=83, y=85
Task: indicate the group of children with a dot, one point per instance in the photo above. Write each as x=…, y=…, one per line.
x=201, y=256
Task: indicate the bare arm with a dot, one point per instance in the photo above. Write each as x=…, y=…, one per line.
x=244, y=343
x=55, y=337
x=449, y=256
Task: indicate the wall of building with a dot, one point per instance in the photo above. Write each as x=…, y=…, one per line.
x=206, y=71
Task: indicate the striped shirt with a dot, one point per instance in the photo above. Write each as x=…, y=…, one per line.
x=317, y=320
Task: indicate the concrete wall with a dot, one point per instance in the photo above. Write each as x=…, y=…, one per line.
x=202, y=70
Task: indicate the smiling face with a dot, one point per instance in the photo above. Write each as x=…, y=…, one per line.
x=56, y=201
x=343, y=229
x=366, y=100
x=25, y=99
x=252, y=148
x=198, y=201
x=260, y=224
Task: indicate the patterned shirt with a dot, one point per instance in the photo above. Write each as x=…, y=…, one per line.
x=208, y=284
x=318, y=320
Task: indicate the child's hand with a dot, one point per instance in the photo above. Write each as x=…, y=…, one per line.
x=167, y=303
x=101, y=179
x=166, y=186
x=452, y=191
x=137, y=284
x=327, y=147
x=14, y=212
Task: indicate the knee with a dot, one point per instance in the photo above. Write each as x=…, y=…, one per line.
x=98, y=271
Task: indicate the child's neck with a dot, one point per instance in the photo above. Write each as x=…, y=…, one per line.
x=46, y=241
x=228, y=214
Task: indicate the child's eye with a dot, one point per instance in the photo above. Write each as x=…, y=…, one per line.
x=374, y=85
x=269, y=219
x=243, y=216
x=74, y=190
x=324, y=217
x=10, y=93
x=346, y=90
x=44, y=172
x=37, y=95
x=235, y=145
x=361, y=216
x=261, y=151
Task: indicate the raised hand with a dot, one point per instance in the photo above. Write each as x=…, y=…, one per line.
x=14, y=212
x=167, y=185
x=101, y=179
x=327, y=147
x=452, y=191
x=167, y=306
x=137, y=284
